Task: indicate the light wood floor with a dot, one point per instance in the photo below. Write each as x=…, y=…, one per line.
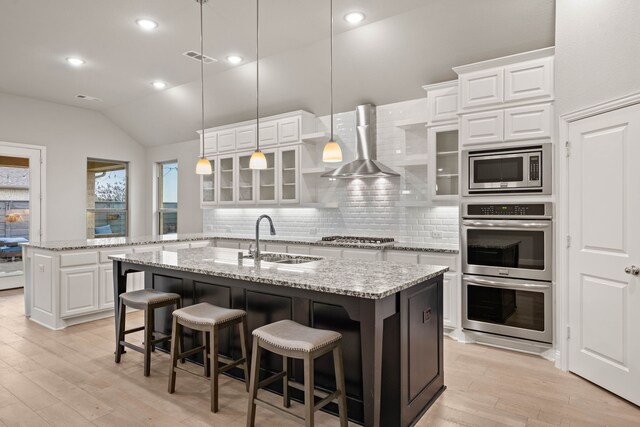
x=68, y=378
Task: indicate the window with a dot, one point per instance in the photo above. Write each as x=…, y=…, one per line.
x=167, y=197
x=107, y=199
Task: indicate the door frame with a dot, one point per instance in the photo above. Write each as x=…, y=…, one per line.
x=563, y=152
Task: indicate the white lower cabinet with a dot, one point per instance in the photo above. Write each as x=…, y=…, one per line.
x=78, y=290
x=274, y=247
x=326, y=252
x=298, y=249
x=230, y=244
x=450, y=300
x=402, y=256
x=105, y=291
x=364, y=254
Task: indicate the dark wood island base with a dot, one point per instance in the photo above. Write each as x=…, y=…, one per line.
x=393, y=346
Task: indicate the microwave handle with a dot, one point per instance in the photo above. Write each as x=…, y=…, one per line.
x=477, y=281
x=506, y=224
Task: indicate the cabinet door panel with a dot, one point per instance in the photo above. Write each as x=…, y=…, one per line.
x=298, y=249
x=78, y=290
x=527, y=122
x=245, y=137
x=365, y=254
x=325, y=252
x=289, y=175
x=443, y=104
x=450, y=300
x=105, y=295
x=210, y=144
x=208, y=192
x=481, y=88
x=267, y=179
x=435, y=259
x=289, y=130
x=246, y=189
x=268, y=134
x=405, y=257
x=227, y=140
x=483, y=127
x=529, y=80
x=226, y=180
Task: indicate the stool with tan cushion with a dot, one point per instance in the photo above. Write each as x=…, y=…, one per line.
x=147, y=300
x=208, y=319
x=293, y=340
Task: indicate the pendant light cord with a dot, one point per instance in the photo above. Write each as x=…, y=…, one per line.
x=257, y=75
x=202, y=71
x=331, y=66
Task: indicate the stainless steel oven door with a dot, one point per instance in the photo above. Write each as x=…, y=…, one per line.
x=509, y=248
x=514, y=308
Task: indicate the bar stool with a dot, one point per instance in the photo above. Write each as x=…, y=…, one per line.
x=147, y=300
x=290, y=339
x=208, y=319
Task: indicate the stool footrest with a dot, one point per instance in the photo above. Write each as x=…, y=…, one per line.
x=271, y=379
x=318, y=393
x=277, y=409
x=191, y=352
x=132, y=346
x=132, y=330
x=231, y=365
x=328, y=399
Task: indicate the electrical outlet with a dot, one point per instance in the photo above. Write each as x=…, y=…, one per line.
x=436, y=234
x=313, y=231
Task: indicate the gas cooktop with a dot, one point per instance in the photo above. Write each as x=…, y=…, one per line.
x=358, y=239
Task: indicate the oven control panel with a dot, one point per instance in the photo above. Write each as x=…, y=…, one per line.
x=507, y=209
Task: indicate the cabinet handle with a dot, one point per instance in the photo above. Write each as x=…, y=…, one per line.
x=633, y=270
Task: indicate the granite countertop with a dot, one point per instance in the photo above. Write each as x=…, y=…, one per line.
x=67, y=245
x=362, y=279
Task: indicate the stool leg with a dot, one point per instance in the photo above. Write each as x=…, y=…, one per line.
x=255, y=378
x=214, y=368
x=152, y=327
x=309, y=401
x=148, y=338
x=285, y=382
x=122, y=316
x=176, y=345
x=244, y=345
x=342, y=398
x=206, y=337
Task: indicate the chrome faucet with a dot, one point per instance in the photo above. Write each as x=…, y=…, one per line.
x=256, y=252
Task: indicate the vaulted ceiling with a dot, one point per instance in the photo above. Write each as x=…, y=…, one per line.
x=402, y=45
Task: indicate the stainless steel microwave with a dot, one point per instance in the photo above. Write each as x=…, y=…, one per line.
x=520, y=170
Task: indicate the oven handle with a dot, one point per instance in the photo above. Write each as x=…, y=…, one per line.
x=511, y=224
x=477, y=281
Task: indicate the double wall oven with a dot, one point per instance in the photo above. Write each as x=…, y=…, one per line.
x=507, y=269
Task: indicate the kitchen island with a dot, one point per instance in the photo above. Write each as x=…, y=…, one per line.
x=390, y=316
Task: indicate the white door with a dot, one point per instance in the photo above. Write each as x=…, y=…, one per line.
x=604, y=224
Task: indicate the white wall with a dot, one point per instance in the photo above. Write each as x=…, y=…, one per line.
x=597, y=51
x=71, y=135
x=189, y=212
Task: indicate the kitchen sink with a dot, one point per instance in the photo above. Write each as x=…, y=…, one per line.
x=285, y=258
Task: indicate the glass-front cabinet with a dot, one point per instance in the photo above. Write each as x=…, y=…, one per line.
x=444, y=174
x=246, y=179
x=289, y=173
x=208, y=185
x=226, y=177
x=267, y=190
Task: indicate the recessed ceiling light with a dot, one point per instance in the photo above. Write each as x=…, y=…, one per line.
x=354, y=17
x=159, y=84
x=234, y=59
x=76, y=62
x=147, y=24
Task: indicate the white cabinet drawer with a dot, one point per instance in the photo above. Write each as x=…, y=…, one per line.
x=481, y=88
x=364, y=254
x=230, y=244
x=437, y=259
x=298, y=249
x=274, y=247
x=246, y=137
x=289, y=130
x=175, y=246
x=104, y=255
x=529, y=80
x=142, y=249
x=203, y=244
x=479, y=128
x=268, y=134
x=325, y=252
x=210, y=144
x=227, y=140
x=405, y=257
x=527, y=122
x=78, y=290
x=79, y=258
x=443, y=104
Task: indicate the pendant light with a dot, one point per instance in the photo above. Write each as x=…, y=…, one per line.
x=258, y=160
x=332, y=153
x=204, y=165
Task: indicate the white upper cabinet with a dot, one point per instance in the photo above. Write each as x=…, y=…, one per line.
x=529, y=80
x=268, y=133
x=442, y=100
x=529, y=122
x=479, y=128
x=210, y=144
x=245, y=179
x=481, y=88
x=246, y=137
x=227, y=140
x=289, y=130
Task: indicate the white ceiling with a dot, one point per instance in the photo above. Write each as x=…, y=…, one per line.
x=402, y=45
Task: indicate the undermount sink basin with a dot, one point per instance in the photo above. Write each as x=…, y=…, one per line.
x=285, y=258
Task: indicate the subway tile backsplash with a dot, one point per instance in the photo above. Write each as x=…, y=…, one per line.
x=370, y=207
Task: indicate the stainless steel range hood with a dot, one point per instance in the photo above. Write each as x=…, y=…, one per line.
x=365, y=165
